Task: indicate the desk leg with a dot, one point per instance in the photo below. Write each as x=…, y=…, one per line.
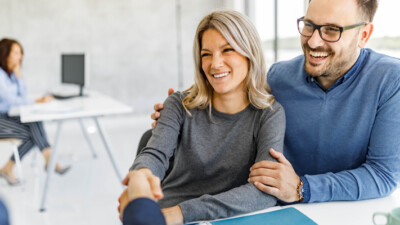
x=51, y=167
x=87, y=138
x=107, y=146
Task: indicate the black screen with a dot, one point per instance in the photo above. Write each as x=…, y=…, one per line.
x=73, y=69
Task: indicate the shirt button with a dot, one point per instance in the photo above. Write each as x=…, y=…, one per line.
x=312, y=79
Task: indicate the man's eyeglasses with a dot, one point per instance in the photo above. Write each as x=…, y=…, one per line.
x=329, y=33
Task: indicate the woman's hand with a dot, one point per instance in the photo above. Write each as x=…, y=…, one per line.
x=173, y=215
x=141, y=184
x=17, y=70
x=154, y=182
x=44, y=99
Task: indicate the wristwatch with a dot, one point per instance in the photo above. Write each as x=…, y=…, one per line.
x=300, y=191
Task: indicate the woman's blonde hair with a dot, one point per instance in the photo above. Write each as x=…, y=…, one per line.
x=241, y=34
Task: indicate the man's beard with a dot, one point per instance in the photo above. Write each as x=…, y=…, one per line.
x=337, y=64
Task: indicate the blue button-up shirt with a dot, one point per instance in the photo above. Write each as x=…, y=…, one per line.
x=344, y=141
x=12, y=92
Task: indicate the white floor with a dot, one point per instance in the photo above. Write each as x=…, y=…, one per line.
x=88, y=193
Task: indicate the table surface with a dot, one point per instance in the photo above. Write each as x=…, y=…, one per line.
x=345, y=212
x=94, y=104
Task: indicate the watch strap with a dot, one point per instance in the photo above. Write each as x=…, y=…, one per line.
x=300, y=190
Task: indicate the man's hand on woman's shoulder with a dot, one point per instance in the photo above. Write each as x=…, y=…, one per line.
x=157, y=108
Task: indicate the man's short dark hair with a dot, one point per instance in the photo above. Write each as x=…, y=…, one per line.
x=367, y=9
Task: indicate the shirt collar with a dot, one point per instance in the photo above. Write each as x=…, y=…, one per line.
x=346, y=76
x=12, y=77
x=353, y=69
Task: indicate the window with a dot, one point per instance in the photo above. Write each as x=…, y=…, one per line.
x=386, y=35
x=288, y=36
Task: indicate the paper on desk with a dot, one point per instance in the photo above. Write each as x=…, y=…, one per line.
x=14, y=111
x=55, y=107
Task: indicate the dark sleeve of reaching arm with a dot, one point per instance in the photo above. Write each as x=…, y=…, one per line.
x=3, y=214
x=246, y=198
x=143, y=211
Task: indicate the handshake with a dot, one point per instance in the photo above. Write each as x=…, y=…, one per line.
x=140, y=184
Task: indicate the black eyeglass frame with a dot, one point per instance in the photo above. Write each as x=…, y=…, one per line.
x=318, y=27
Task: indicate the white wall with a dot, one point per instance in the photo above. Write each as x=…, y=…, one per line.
x=132, y=43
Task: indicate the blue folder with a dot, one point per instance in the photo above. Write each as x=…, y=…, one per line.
x=286, y=216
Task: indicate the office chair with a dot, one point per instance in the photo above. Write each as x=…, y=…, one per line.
x=15, y=143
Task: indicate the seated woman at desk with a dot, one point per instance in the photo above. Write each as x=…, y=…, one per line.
x=13, y=93
x=218, y=128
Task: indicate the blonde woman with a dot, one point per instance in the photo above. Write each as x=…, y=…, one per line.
x=217, y=129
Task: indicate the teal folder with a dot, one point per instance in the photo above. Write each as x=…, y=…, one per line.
x=286, y=216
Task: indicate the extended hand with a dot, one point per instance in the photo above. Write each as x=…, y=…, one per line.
x=151, y=179
x=157, y=107
x=44, y=99
x=276, y=178
x=17, y=70
x=141, y=184
x=123, y=202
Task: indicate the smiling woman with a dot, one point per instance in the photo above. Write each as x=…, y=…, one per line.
x=233, y=45
x=226, y=71
x=218, y=128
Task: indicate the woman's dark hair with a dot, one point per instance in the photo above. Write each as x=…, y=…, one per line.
x=5, y=49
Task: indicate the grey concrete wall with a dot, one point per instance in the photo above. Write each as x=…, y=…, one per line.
x=132, y=43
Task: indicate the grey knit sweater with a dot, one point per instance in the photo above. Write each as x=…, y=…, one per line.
x=212, y=158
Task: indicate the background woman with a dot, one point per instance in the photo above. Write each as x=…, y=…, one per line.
x=13, y=93
x=218, y=128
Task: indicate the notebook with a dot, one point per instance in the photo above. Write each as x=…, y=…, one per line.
x=286, y=216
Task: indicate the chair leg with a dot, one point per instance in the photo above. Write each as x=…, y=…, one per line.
x=18, y=161
x=36, y=152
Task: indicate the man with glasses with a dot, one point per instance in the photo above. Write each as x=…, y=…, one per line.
x=342, y=105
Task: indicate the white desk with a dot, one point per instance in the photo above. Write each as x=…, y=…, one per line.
x=349, y=212
x=354, y=212
x=95, y=105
